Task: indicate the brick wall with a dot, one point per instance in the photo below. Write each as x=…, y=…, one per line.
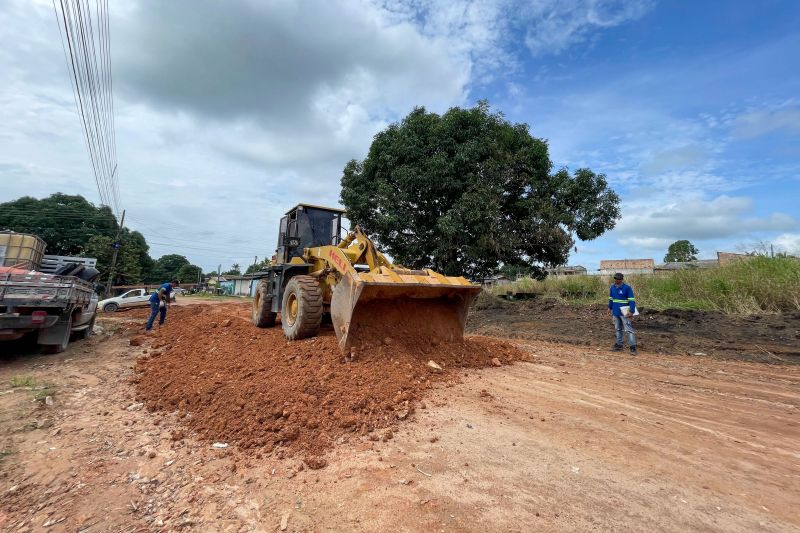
x=726, y=258
x=627, y=264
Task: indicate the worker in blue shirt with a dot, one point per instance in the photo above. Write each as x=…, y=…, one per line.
x=622, y=306
x=159, y=301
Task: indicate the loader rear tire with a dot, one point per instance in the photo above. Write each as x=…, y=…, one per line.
x=263, y=316
x=301, y=312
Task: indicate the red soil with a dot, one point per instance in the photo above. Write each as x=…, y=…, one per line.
x=235, y=383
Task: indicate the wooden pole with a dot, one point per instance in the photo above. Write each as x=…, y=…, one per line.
x=114, y=256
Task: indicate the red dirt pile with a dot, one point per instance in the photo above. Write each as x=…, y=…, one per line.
x=232, y=382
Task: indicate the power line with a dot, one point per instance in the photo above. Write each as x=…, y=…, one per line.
x=88, y=57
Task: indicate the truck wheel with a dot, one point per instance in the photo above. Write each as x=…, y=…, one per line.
x=110, y=308
x=301, y=312
x=263, y=316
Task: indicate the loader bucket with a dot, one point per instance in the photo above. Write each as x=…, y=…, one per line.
x=366, y=313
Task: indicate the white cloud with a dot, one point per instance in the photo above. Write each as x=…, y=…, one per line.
x=486, y=31
x=757, y=123
x=696, y=219
x=648, y=244
x=555, y=26
x=682, y=158
x=787, y=242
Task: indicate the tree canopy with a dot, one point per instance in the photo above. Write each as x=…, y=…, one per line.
x=167, y=267
x=258, y=267
x=468, y=191
x=189, y=273
x=681, y=251
x=235, y=270
x=71, y=225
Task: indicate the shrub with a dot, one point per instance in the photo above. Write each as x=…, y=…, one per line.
x=757, y=285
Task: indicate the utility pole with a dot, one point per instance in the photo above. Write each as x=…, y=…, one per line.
x=116, y=247
x=219, y=278
x=253, y=273
x=771, y=251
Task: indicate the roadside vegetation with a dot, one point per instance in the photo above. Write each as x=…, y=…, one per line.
x=758, y=285
x=40, y=391
x=23, y=381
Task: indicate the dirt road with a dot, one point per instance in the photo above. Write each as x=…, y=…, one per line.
x=576, y=439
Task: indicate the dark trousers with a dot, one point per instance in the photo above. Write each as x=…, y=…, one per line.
x=155, y=310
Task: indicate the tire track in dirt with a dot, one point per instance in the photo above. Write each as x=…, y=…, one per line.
x=682, y=425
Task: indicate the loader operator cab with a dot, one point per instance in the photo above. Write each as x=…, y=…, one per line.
x=307, y=226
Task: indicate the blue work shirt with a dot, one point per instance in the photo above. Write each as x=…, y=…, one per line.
x=620, y=296
x=167, y=287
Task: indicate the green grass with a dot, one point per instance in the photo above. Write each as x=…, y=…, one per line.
x=23, y=381
x=43, y=392
x=40, y=391
x=758, y=285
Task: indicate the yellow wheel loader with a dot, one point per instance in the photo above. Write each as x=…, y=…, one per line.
x=369, y=300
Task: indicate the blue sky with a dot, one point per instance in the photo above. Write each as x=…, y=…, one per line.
x=228, y=114
x=691, y=110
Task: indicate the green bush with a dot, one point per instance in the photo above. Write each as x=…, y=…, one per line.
x=23, y=381
x=756, y=285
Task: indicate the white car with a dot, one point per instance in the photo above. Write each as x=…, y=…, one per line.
x=132, y=298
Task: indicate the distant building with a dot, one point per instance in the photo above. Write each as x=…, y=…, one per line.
x=626, y=266
x=492, y=281
x=241, y=285
x=573, y=270
x=726, y=258
x=225, y=287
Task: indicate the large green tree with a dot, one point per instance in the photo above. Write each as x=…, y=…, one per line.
x=167, y=267
x=70, y=225
x=235, y=270
x=189, y=273
x=66, y=223
x=467, y=191
x=681, y=251
x=133, y=260
x=258, y=267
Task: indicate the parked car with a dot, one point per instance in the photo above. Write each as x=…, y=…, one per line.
x=176, y=291
x=132, y=298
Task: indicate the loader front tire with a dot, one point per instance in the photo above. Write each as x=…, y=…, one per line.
x=263, y=316
x=301, y=312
